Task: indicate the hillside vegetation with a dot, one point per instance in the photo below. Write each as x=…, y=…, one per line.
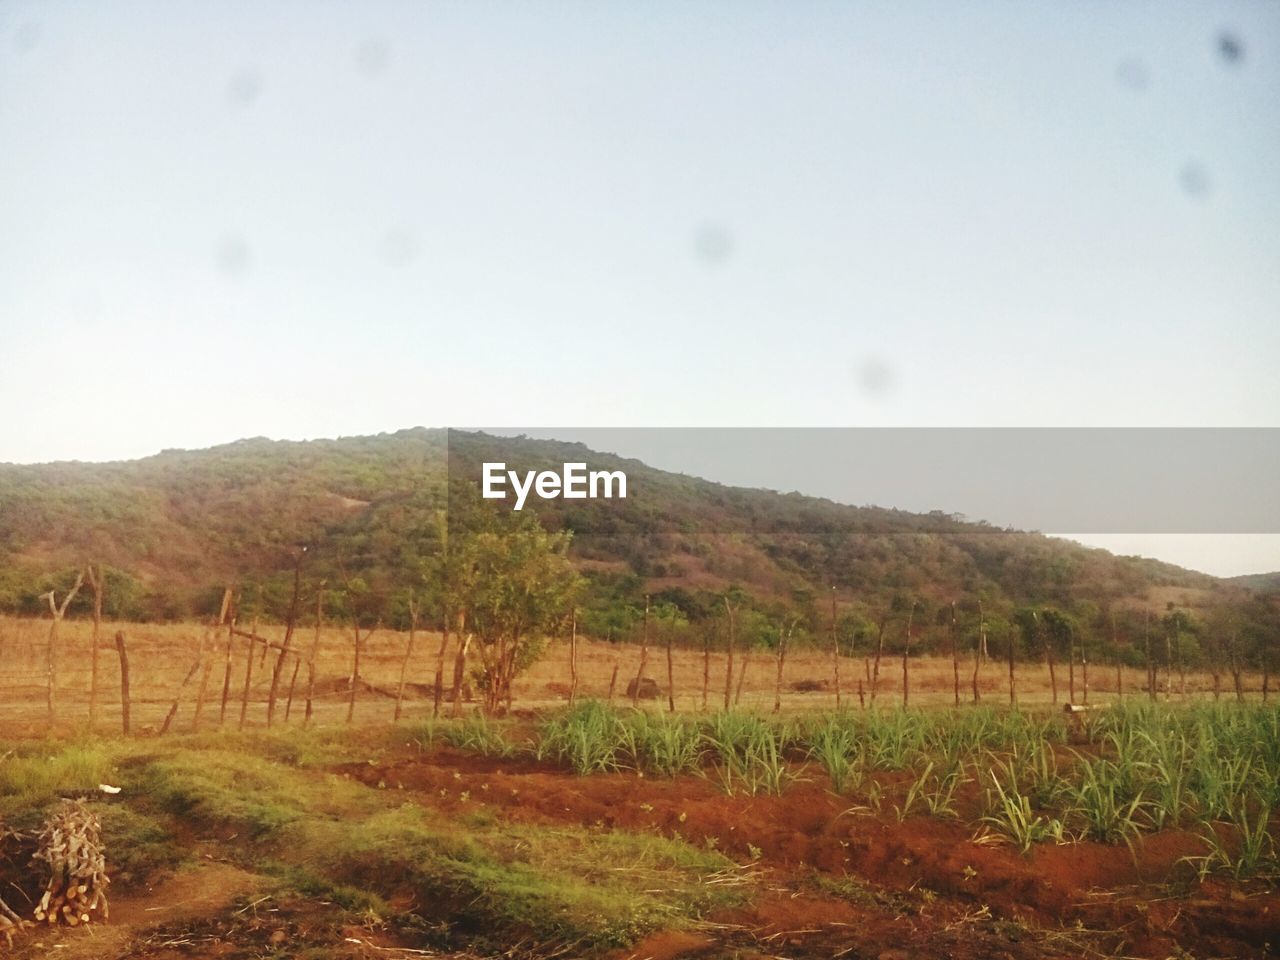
x=174, y=529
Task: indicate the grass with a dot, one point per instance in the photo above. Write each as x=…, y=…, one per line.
x=328, y=835
x=275, y=800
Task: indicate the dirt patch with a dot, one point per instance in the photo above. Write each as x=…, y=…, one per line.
x=203, y=890
x=1119, y=899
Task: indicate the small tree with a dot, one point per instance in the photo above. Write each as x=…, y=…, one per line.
x=518, y=587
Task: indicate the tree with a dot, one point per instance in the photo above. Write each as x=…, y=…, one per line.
x=518, y=587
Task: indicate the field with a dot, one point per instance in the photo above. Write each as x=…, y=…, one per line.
x=160, y=656
x=1141, y=829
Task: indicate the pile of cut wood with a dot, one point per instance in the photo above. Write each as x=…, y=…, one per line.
x=70, y=845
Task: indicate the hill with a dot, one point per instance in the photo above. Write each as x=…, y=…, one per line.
x=1261, y=582
x=175, y=527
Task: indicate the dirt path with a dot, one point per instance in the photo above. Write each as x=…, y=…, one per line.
x=200, y=891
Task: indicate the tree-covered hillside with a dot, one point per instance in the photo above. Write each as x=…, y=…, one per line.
x=373, y=512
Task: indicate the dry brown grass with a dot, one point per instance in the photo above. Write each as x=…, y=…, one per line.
x=160, y=655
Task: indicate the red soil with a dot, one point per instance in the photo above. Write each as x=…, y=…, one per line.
x=929, y=883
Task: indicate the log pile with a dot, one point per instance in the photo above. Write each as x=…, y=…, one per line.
x=70, y=846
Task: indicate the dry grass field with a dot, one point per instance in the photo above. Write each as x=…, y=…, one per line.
x=160, y=657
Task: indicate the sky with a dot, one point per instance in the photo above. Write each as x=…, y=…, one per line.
x=319, y=219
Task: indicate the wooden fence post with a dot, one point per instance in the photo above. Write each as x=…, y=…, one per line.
x=355, y=670
x=95, y=584
x=783, y=637
x=177, y=697
x=226, y=676
x=955, y=655
x=1071, y=665
x=208, y=662
x=706, y=668
x=1048, y=654
x=978, y=647
x=444, y=646
x=315, y=652
x=51, y=648
x=835, y=650
x=613, y=681
x=293, y=682
x=408, y=652
x=1013, y=695
x=124, y=680
x=248, y=671
x=906, y=652
x=460, y=666
x=1084, y=668
x=671, y=672
x=728, y=672
x=644, y=656
x=875, y=669
x=287, y=644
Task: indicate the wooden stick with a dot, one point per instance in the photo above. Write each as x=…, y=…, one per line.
x=248, y=671
x=1084, y=668
x=177, y=696
x=315, y=652
x=1013, y=694
x=95, y=584
x=58, y=611
x=835, y=649
x=728, y=672
x=955, y=656
x=293, y=682
x=208, y=667
x=460, y=665
x=906, y=652
x=408, y=652
x=978, y=647
x=290, y=622
x=706, y=668
x=355, y=674
x=671, y=672
x=124, y=679
x=573, y=656
x=644, y=656
x=226, y=677
x=875, y=668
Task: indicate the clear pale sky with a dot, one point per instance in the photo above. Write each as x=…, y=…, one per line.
x=318, y=219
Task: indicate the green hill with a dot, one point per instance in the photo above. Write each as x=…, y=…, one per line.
x=174, y=528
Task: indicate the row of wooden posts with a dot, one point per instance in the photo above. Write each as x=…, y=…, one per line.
x=289, y=655
x=257, y=647
x=871, y=663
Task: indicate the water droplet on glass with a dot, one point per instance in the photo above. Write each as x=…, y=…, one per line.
x=372, y=57
x=400, y=245
x=1230, y=48
x=232, y=255
x=712, y=244
x=1132, y=74
x=1194, y=180
x=244, y=88
x=874, y=377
